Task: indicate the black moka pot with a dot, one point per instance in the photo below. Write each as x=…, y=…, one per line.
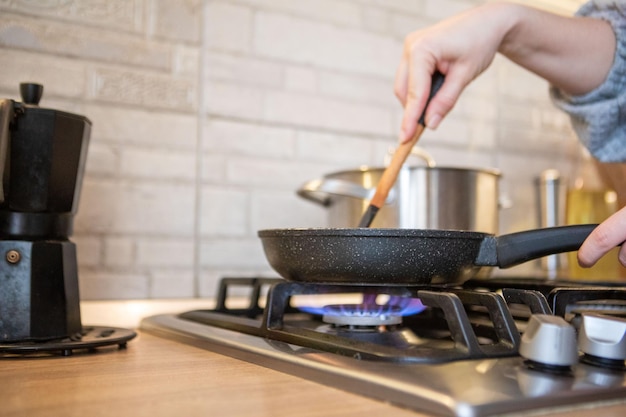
x=42, y=162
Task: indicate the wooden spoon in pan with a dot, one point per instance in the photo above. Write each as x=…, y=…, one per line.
x=390, y=175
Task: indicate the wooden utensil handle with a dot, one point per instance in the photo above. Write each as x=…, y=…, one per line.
x=390, y=174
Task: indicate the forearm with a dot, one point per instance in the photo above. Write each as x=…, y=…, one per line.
x=573, y=54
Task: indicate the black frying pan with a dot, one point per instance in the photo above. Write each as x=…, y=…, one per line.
x=406, y=256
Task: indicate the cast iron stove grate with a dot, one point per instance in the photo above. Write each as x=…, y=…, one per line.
x=260, y=333
x=447, y=331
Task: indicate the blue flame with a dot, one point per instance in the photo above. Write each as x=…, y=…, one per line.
x=396, y=306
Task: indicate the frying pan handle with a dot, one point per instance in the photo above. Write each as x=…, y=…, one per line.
x=517, y=248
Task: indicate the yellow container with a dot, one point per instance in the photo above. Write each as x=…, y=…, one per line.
x=593, y=206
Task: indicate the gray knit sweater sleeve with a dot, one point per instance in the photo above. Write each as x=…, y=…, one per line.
x=599, y=117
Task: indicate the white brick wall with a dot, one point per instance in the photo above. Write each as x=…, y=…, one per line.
x=62, y=77
x=324, y=44
x=227, y=26
x=175, y=20
x=122, y=15
x=137, y=207
x=209, y=114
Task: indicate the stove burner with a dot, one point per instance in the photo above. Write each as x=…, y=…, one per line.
x=361, y=315
x=369, y=313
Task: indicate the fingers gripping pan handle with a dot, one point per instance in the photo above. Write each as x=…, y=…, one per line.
x=513, y=249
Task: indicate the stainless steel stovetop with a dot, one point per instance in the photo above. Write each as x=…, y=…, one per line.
x=468, y=367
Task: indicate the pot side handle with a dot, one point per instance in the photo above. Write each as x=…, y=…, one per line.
x=322, y=190
x=415, y=151
x=516, y=248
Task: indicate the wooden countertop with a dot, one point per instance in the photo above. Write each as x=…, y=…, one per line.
x=156, y=377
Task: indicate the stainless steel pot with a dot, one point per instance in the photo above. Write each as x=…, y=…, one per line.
x=424, y=197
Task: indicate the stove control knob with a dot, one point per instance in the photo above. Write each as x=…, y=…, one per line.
x=549, y=341
x=603, y=337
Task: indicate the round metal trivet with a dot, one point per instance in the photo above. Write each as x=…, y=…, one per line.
x=91, y=338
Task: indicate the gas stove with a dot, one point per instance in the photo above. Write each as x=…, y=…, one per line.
x=487, y=347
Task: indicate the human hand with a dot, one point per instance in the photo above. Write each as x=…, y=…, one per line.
x=461, y=48
x=609, y=234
